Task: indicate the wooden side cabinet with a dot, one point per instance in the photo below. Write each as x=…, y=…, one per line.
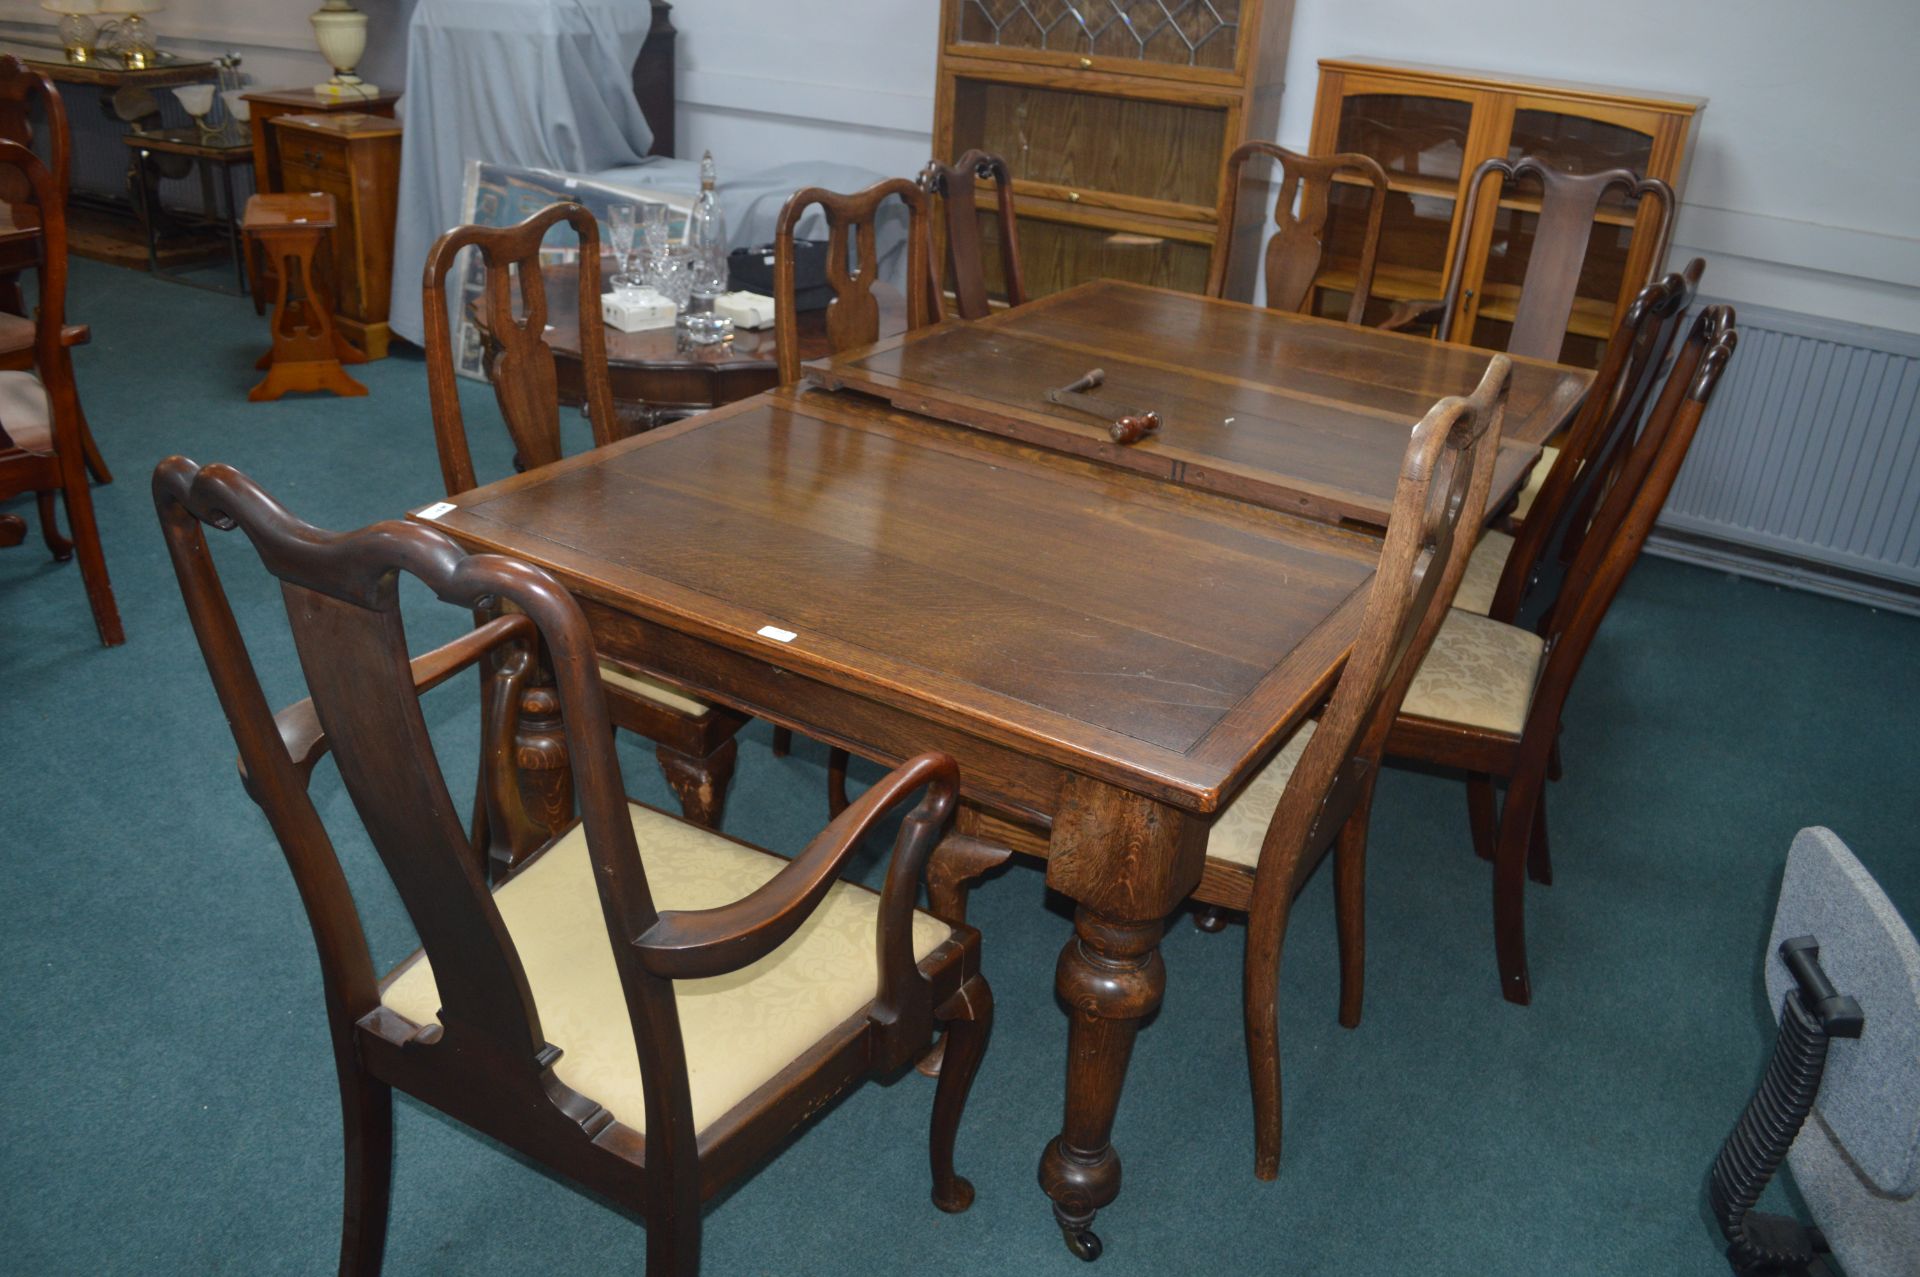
x=356, y=159
x=1430, y=127
x=1115, y=122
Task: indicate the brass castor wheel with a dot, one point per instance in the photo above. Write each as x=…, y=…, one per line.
x=1083, y=1242
x=1210, y=919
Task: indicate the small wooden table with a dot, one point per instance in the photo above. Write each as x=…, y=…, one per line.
x=657, y=376
x=307, y=349
x=207, y=157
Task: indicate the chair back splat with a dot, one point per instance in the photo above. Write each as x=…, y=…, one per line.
x=1568, y=203
x=955, y=186
x=1297, y=249
x=1596, y=444
x=1609, y=545
x=853, y=316
x=522, y=368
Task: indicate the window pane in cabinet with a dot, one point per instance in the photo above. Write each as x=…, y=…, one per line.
x=1126, y=146
x=1057, y=255
x=1198, y=33
x=1578, y=144
x=1412, y=262
x=1411, y=136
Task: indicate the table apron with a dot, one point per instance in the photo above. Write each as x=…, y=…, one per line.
x=993, y=776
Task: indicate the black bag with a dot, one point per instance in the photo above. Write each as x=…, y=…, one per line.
x=751, y=270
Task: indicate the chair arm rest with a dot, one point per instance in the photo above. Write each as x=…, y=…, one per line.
x=694, y=944
x=76, y=334
x=1407, y=313
x=299, y=724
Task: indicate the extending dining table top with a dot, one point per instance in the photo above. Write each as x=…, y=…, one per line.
x=1153, y=636
x=1288, y=411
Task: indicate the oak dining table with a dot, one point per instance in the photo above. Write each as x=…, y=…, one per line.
x=913, y=549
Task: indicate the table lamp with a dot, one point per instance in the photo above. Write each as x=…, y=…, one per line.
x=341, y=32
x=197, y=101
x=76, y=26
x=129, y=35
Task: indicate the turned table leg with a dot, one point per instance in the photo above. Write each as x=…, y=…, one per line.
x=1129, y=862
x=540, y=752
x=1111, y=977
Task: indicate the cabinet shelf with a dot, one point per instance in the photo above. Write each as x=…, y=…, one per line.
x=1449, y=188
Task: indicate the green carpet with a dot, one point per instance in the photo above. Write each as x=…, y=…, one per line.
x=170, y=1105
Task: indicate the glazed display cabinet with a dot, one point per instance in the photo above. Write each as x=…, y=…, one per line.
x=1429, y=127
x=1115, y=118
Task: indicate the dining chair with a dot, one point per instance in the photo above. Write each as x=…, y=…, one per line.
x=694, y=740
x=41, y=448
x=1297, y=249
x=853, y=316
x=1628, y=371
x=643, y=1007
x=1316, y=792
x=955, y=186
x=1489, y=695
x=1568, y=205
x=22, y=91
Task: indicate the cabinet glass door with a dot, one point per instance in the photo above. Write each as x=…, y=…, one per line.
x=1176, y=33
x=1422, y=142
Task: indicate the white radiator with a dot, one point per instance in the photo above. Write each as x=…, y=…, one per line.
x=1806, y=469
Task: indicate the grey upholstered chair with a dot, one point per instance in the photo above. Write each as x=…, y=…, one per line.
x=1856, y=1160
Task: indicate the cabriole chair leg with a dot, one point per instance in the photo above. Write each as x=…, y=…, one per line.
x=968, y=1016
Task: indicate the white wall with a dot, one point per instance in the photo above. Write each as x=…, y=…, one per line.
x=847, y=80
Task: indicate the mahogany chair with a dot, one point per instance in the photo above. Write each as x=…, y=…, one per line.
x=1568, y=204
x=1489, y=695
x=1317, y=791
x=853, y=316
x=694, y=739
x=1505, y=565
x=642, y=1006
x=1297, y=249
x=41, y=431
x=21, y=92
x=955, y=186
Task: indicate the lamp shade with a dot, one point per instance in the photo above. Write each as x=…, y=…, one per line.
x=71, y=6
x=131, y=6
x=196, y=99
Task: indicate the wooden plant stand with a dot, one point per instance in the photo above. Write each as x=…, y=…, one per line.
x=308, y=350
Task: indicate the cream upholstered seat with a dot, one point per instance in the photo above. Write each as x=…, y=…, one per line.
x=1479, y=672
x=650, y=689
x=1482, y=577
x=25, y=413
x=740, y=1029
x=1238, y=832
x=1535, y=481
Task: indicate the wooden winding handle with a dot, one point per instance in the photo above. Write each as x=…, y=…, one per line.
x=1134, y=428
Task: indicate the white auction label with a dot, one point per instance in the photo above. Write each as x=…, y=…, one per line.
x=777, y=634
x=437, y=509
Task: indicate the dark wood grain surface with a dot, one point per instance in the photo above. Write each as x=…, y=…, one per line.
x=1163, y=638
x=1293, y=412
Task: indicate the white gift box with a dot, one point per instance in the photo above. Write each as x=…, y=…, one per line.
x=746, y=310
x=637, y=310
